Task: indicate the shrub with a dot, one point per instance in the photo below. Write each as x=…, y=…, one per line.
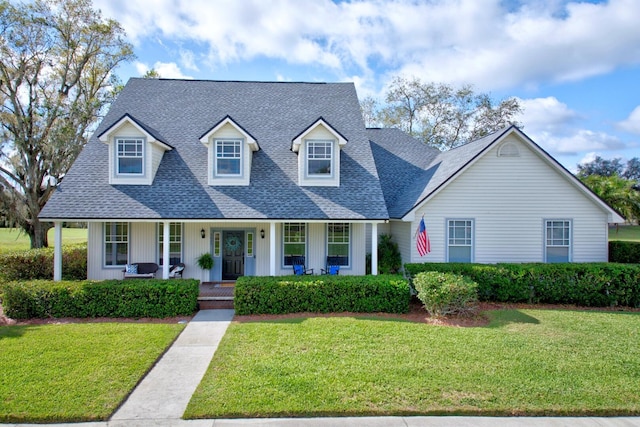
x=624, y=252
x=35, y=264
x=446, y=293
x=323, y=294
x=585, y=284
x=389, y=258
x=110, y=298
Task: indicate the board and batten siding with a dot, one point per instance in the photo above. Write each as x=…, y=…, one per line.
x=509, y=198
x=399, y=229
x=143, y=247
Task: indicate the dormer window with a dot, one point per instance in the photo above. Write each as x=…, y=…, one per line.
x=318, y=148
x=319, y=158
x=229, y=153
x=130, y=153
x=135, y=151
x=228, y=157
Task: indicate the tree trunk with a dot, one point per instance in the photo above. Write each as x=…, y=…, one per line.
x=38, y=234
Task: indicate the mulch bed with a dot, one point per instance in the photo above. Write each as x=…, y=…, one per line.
x=416, y=314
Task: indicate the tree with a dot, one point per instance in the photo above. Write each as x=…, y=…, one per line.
x=55, y=80
x=632, y=171
x=602, y=167
x=617, y=192
x=439, y=114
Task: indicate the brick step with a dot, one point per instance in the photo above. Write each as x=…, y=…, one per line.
x=215, y=304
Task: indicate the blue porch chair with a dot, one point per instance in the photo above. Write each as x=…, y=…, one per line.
x=299, y=267
x=332, y=266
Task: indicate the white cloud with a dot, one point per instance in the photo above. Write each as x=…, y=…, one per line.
x=632, y=123
x=556, y=128
x=166, y=70
x=482, y=43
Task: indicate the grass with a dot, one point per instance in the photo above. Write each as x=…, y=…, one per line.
x=526, y=362
x=13, y=239
x=74, y=372
x=625, y=232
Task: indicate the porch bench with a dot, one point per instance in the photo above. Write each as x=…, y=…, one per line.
x=146, y=270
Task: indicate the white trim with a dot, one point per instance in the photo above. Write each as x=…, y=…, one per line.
x=374, y=248
x=225, y=220
x=57, y=252
x=545, y=245
x=297, y=142
x=105, y=136
x=272, y=248
x=471, y=245
x=306, y=242
x=237, y=142
x=613, y=216
x=104, y=242
x=332, y=159
x=206, y=138
x=181, y=228
x=349, y=243
x=143, y=157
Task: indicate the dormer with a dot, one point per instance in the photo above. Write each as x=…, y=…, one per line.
x=135, y=151
x=318, y=148
x=230, y=149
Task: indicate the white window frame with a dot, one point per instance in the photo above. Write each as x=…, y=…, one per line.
x=327, y=143
x=251, y=241
x=111, y=238
x=217, y=244
x=466, y=241
x=172, y=239
x=137, y=154
x=302, y=239
x=348, y=243
x=550, y=241
x=239, y=156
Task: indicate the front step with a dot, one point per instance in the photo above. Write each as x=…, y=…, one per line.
x=215, y=304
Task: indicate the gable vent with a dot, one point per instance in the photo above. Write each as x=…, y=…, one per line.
x=508, y=149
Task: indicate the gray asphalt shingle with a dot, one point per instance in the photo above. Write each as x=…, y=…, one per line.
x=181, y=111
x=410, y=171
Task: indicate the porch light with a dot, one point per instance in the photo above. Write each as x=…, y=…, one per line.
x=262, y=233
x=202, y=233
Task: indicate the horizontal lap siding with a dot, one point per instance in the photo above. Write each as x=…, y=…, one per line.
x=509, y=198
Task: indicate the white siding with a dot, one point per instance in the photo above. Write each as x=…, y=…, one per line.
x=398, y=230
x=229, y=131
x=143, y=242
x=509, y=198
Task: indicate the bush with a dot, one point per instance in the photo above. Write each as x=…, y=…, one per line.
x=35, y=264
x=110, y=298
x=323, y=294
x=389, y=258
x=446, y=293
x=586, y=284
x=624, y=252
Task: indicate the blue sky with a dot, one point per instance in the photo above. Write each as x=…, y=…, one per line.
x=574, y=65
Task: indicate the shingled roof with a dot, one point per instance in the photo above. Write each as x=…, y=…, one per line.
x=411, y=171
x=180, y=111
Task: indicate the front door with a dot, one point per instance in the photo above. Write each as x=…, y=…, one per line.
x=232, y=254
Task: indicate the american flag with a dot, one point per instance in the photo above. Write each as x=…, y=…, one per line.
x=422, y=240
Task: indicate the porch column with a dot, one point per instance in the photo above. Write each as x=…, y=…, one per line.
x=57, y=252
x=272, y=248
x=374, y=248
x=165, y=250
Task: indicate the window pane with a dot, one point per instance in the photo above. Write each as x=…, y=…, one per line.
x=319, y=155
x=557, y=254
x=116, y=243
x=175, y=243
x=459, y=253
x=294, y=241
x=249, y=244
x=228, y=167
x=130, y=165
x=338, y=242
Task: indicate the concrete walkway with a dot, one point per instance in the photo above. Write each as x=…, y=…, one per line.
x=165, y=392
x=162, y=396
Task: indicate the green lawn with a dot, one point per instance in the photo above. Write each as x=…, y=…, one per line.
x=625, y=232
x=533, y=362
x=11, y=239
x=75, y=372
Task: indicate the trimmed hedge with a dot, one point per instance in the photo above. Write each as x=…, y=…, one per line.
x=321, y=294
x=624, y=252
x=111, y=298
x=587, y=284
x=35, y=264
x=446, y=293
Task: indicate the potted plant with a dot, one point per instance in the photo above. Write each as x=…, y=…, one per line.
x=205, y=261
